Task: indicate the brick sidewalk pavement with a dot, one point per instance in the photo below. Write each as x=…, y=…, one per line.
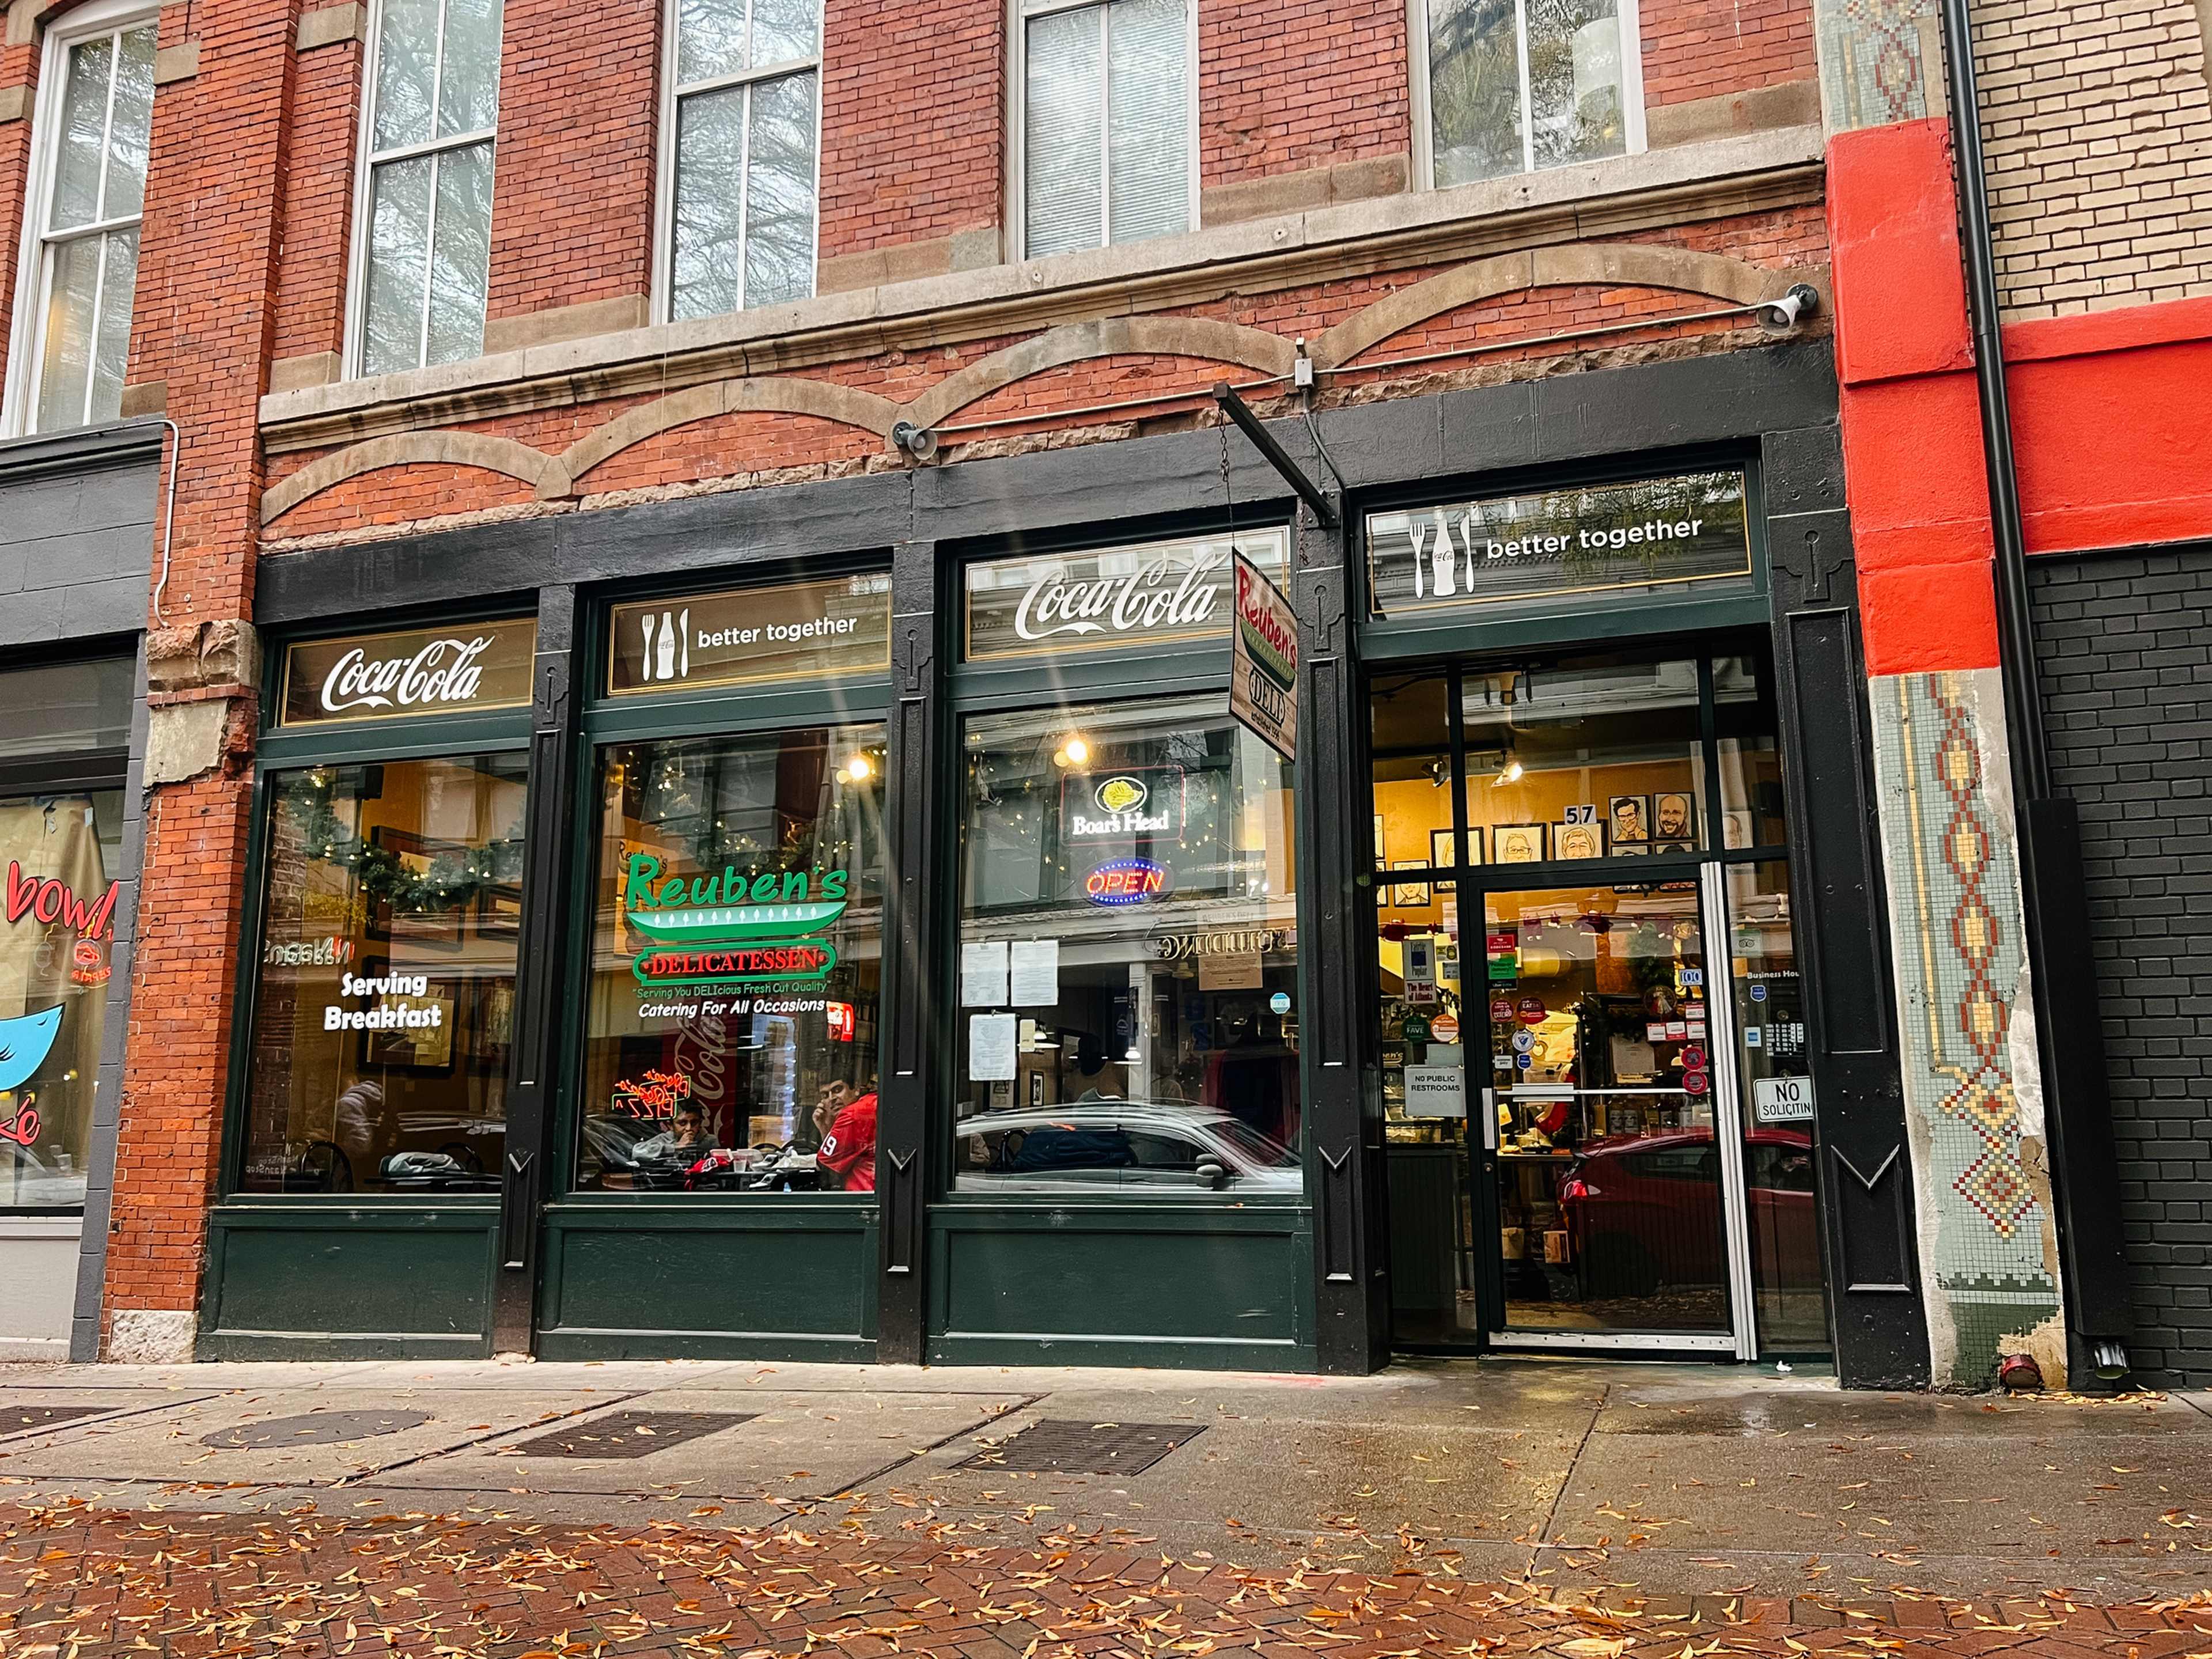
x=80, y=1582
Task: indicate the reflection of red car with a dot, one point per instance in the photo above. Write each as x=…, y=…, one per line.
x=1645, y=1211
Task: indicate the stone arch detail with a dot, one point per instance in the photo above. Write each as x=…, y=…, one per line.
x=543, y=473
x=1204, y=337
x=1630, y=265
x=849, y=405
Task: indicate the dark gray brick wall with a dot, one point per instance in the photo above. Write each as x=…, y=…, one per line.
x=2125, y=647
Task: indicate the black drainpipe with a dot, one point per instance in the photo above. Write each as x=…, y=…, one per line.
x=2077, y=1099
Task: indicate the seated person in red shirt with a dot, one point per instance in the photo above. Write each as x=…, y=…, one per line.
x=849, y=1151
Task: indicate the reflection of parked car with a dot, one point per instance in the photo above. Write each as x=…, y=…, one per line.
x=1645, y=1211
x=1122, y=1143
x=624, y=1149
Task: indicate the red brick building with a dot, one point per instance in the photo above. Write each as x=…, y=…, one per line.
x=497, y=344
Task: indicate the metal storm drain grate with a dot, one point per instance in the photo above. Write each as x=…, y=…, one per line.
x=1069, y=1447
x=29, y=1419
x=315, y=1429
x=630, y=1434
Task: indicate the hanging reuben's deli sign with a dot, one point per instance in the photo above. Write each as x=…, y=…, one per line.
x=421, y=671
x=801, y=630
x=1124, y=596
x=1657, y=537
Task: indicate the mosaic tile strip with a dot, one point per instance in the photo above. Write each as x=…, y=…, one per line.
x=1968, y=1054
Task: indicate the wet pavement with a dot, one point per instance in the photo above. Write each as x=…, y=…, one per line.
x=1734, y=1497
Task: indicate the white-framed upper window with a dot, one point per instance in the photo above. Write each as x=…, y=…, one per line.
x=740, y=149
x=1510, y=86
x=1105, y=102
x=423, y=219
x=79, y=272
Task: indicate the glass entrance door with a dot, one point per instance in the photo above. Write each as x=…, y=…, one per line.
x=1608, y=1163
x=1586, y=982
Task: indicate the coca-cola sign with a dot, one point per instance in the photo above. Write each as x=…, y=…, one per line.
x=424, y=671
x=1125, y=597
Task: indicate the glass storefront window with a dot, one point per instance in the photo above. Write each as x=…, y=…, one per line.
x=383, y=1006
x=61, y=855
x=1750, y=755
x=66, y=708
x=1788, y=1291
x=1128, y=956
x=1410, y=758
x=1594, y=758
x=736, y=964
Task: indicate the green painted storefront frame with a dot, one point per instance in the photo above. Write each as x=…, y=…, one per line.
x=976, y=1243
x=298, y=1259
x=830, y=1240
x=1002, y=1276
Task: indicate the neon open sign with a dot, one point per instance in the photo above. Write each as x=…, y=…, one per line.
x=1126, y=881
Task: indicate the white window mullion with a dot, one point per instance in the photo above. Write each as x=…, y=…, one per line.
x=1106, y=125
x=107, y=126
x=429, y=257
x=438, y=83
x=745, y=174
x=1527, y=92
x=99, y=293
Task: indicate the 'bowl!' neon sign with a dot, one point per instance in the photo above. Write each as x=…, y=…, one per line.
x=1126, y=881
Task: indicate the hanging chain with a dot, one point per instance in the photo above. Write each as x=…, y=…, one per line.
x=1228, y=495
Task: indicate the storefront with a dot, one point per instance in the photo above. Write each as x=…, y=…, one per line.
x=1596, y=1090
x=64, y=756
x=72, y=741
x=778, y=935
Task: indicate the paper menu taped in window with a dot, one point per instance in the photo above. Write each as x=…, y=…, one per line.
x=991, y=1047
x=983, y=974
x=1033, y=973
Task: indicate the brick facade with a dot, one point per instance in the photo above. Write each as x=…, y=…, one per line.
x=2097, y=120
x=573, y=179
x=204, y=330
x=2128, y=692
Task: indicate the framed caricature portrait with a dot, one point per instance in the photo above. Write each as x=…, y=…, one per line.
x=1675, y=817
x=1735, y=828
x=1628, y=822
x=1518, y=843
x=1577, y=840
x=1410, y=895
x=1441, y=852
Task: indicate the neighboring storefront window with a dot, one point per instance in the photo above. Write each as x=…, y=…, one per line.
x=736, y=963
x=384, y=1007
x=1128, y=956
x=61, y=847
x=60, y=854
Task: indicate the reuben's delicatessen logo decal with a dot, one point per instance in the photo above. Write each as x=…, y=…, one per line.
x=419, y=671
x=1658, y=538
x=1129, y=598
x=731, y=930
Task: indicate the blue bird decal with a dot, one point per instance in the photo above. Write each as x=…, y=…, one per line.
x=25, y=1044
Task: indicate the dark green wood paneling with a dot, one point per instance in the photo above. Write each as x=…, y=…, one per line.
x=313, y=1281
x=766, y=1280
x=1207, y=1288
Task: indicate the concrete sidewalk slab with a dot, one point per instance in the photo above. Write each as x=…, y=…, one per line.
x=795, y=1446
x=174, y=1445
x=32, y=1413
